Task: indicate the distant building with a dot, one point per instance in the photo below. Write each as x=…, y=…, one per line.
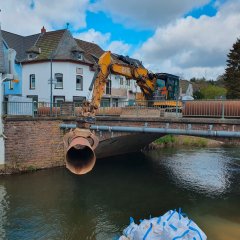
x=72, y=61
x=186, y=89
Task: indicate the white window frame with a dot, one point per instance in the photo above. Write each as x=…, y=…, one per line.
x=58, y=84
x=32, y=84
x=58, y=100
x=79, y=86
x=109, y=87
x=79, y=71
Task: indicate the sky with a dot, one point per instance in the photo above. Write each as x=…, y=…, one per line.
x=189, y=38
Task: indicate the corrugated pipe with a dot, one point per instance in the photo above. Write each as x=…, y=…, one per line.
x=201, y=133
x=79, y=150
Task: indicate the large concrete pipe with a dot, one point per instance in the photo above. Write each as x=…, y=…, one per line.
x=79, y=150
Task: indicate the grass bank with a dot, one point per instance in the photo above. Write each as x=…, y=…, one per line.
x=187, y=141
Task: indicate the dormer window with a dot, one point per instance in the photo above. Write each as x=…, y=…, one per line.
x=79, y=56
x=31, y=56
x=77, y=53
x=33, y=52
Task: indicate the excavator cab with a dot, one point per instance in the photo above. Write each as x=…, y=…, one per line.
x=167, y=87
x=166, y=90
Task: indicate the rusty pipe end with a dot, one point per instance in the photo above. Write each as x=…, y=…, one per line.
x=80, y=156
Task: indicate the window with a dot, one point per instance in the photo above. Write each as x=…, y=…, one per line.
x=58, y=100
x=11, y=85
x=108, y=87
x=79, y=71
x=34, y=97
x=128, y=82
x=105, y=102
x=79, y=82
x=79, y=56
x=59, y=80
x=121, y=80
x=79, y=99
x=32, y=81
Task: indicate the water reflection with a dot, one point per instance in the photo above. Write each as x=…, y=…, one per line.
x=205, y=170
x=55, y=204
x=3, y=210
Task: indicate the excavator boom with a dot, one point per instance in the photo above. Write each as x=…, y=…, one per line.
x=148, y=82
x=144, y=79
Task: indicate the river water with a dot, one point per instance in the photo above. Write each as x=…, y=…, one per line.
x=55, y=204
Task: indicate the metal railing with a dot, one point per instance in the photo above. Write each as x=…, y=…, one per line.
x=211, y=108
x=131, y=108
x=33, y=109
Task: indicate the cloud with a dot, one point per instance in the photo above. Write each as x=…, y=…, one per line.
x=104, y=41
x=119, y=47
x=194, y=46
x=94, y=36
x=146, y=13
x=28, y=16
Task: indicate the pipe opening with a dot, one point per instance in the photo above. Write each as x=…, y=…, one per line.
x=80, y=157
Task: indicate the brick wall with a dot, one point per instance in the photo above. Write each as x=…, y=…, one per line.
x=33, y=144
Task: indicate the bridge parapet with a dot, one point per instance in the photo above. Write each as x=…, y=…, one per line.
x=163, y=109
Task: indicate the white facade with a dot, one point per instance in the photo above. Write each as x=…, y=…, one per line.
x=69, y=90
x=42, y=80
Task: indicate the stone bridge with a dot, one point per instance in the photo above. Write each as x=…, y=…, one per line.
x=34, y=143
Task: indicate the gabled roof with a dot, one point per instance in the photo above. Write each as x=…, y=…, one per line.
x=19, y=43
x=91, y=50
x=60, y=45
x=48, y=43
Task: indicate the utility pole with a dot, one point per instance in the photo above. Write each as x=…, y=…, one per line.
x=51, y=84
x=51, y=100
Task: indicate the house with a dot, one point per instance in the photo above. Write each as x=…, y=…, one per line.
x=55, y=64
x=185, y=90
x=9, y=64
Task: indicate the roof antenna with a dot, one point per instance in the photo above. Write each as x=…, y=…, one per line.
x=67, y=24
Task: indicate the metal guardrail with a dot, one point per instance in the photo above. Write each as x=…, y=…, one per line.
x=131, y=108
x=212, y=108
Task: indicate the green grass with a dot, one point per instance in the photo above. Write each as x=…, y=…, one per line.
x=166, y=139
x=183, y=140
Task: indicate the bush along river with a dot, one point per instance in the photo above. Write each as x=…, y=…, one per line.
x=55, y=204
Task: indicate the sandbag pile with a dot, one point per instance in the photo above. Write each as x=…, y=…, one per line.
x=173, y=225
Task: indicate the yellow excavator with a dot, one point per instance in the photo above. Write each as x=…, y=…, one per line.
x=156, y=88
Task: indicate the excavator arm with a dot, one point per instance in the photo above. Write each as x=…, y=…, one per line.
x=144, y=79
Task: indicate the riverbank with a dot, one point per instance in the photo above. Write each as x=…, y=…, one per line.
x=186, y=141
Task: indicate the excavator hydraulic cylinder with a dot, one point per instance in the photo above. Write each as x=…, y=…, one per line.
x=79, y=150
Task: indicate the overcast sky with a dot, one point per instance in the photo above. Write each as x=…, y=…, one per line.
x=190, y=38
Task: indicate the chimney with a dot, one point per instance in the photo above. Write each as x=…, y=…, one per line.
x=43, y=30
